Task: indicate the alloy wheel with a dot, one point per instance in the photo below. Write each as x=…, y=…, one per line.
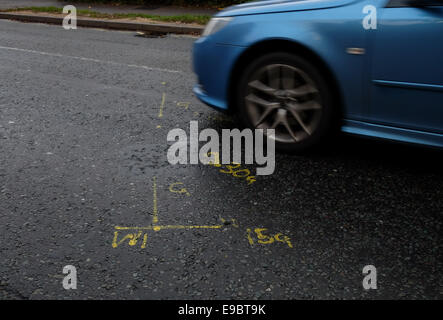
x=286, y=99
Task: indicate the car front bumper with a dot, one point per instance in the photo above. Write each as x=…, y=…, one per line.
x=213, y=64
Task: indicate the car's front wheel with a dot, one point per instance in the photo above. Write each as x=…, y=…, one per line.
x=287, y=93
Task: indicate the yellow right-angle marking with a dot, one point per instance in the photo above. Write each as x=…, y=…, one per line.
x=134, y=234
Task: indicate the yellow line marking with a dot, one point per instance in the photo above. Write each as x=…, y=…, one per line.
x=160, y=113
x=155, y=218
x=168, y=227
x=251, y=241
x=145, y=240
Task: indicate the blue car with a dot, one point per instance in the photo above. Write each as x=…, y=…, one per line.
x=307, y=67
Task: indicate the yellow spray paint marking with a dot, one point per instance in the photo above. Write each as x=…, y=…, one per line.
x=155, y=209
x=160, y=113
x=132, y=237
x=233, y=222
x=173, y=188
x=263, y=238
x=168, y=227
x=233, y=169
x=136, y=232
x=285, y=239
x=251, y=241
x=145, y=240
x=214, y=159
x=183, y=104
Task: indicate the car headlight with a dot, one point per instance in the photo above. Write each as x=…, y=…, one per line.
x=216, y=24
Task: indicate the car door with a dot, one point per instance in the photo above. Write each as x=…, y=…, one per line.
x=406, y=87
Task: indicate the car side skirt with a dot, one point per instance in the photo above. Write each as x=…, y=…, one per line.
x=393, y=133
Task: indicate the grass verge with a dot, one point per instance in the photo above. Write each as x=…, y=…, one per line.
x=185, y=18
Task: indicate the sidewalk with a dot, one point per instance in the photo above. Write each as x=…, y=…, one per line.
x=107, y=8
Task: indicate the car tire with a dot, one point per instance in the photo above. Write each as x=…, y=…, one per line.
x=286, y=90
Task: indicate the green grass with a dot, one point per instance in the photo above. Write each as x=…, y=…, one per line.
x=182, y=3
x=185, y=18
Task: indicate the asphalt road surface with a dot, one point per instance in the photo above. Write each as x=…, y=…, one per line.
x=84, y=116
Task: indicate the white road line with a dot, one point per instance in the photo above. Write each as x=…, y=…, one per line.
x=91, y=60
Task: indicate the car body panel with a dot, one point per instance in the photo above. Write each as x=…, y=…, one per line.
x=214, y=92
x=330, y=29
x=275, y=6
x=407, y=87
